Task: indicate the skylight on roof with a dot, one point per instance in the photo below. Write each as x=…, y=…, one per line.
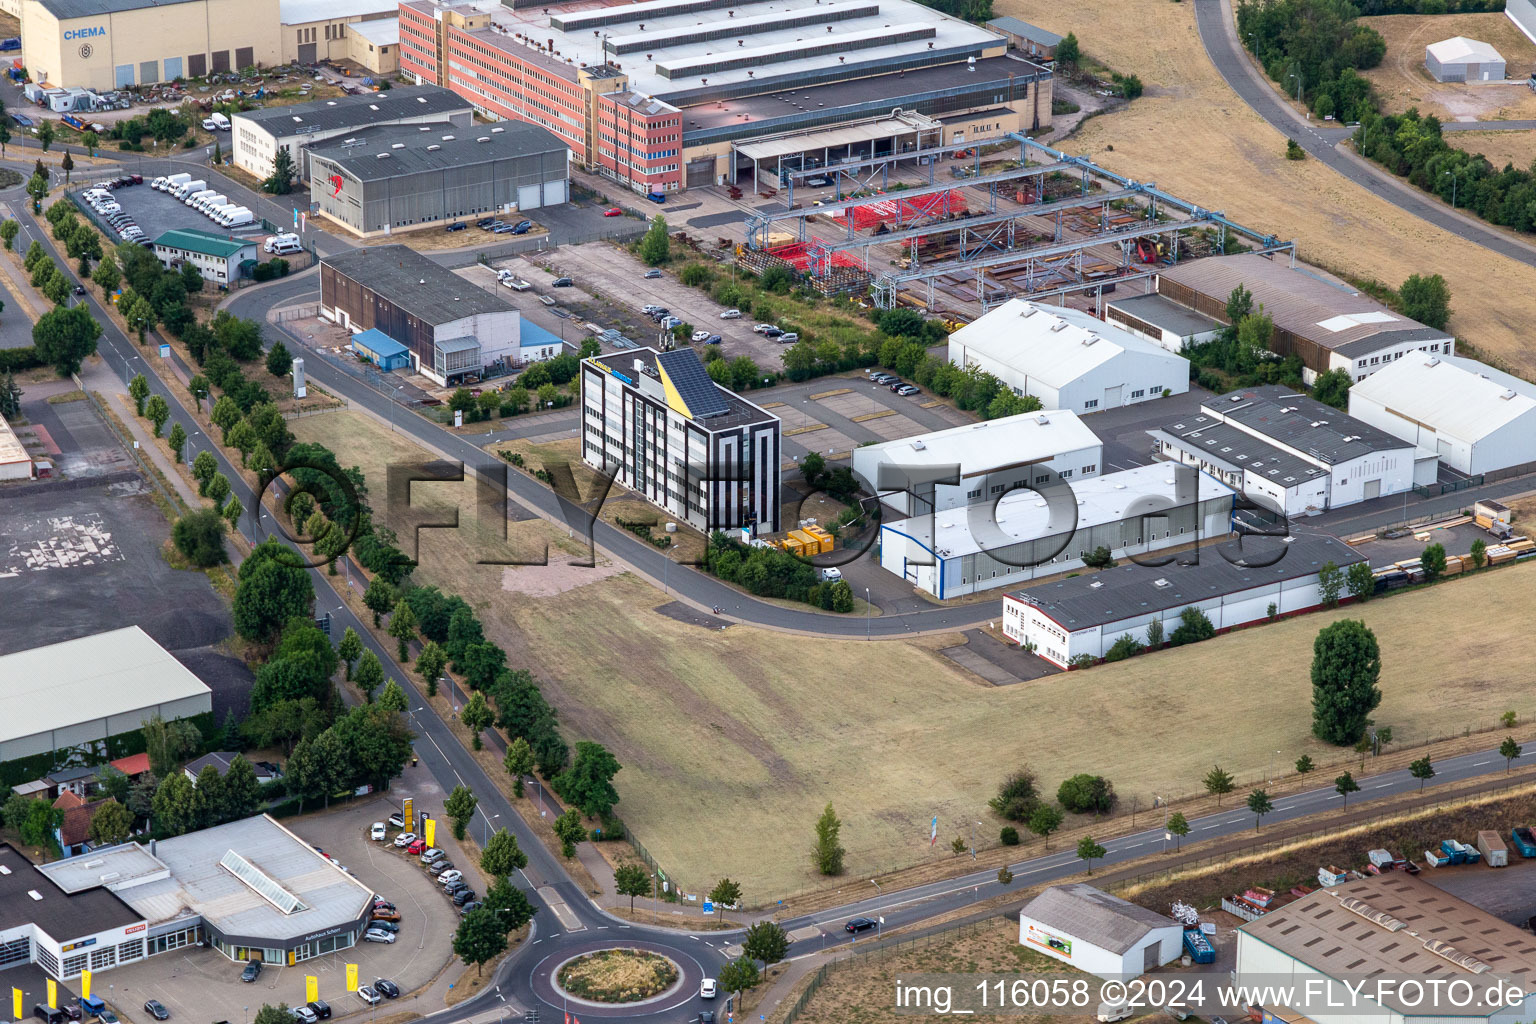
x=261, y=883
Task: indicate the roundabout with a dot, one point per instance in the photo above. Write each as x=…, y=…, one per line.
x=617, y=979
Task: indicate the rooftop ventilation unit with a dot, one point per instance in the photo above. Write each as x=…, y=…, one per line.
x=1456, y=956
x=919, y=446
x=496, y=131
x=397, y=145
x=484, y=138
x=433, y=148
x=383, y=156
x=1058, y=325
x=35, y=895
x=1161, y=583
x=1431, y=361
x=1090, y=340
x=1096, y=584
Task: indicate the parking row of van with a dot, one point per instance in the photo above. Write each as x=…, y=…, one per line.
x=210, y=202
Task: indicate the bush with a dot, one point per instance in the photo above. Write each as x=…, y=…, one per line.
x=1085, y=794
x=1009, y=836
x=1016, y=797
x=200, y=537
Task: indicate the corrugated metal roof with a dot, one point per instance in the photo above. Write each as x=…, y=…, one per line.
x=1461, y=398
x=870, y=131
x=345, y=112
x=978, y=448
x=1080, y=911
x=425, y=289
x=1298, y=299
x=1461, y=50
x=379, y=343
x=1160, y=311
x=1055, y=345
x=203, y=242
x=112, y=673
x=1303, y=423
x=1025, y=30
x=390, y=151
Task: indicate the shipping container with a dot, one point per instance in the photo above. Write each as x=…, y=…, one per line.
x=1493, y=510
x=793, y=546
x=1495, y=853
x=827, y=543
x=809, y=545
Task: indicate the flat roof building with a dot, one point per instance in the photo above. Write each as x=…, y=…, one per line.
x=453, y=328
x=1479, y=420
x=77, y=693
x=375, y=44
x=984, y=460
x=317, y=30
x=401, y=177
x=1097, y=932
x=1067, y=358
x=1326, y=322
x=15, y=463
x=63, y=932
x=112, y=44
x=670, y=433
x=1292, y=453
x=1398, y=927
x=1159, y=319
x=257, y=135
x=1026, y=534
x=1233, y=583
x=1037, y=42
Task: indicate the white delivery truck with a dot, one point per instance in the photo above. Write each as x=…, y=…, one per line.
x=198, y=196
x=172, y=182
x=287, y=247
x=236, y=217
x=189, y=188
x=212, y=202
x=216, y=212
x=220, y=122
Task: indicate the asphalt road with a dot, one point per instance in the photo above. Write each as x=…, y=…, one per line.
x=1219, y=35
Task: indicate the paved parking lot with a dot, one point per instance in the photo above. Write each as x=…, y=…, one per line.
x=159, y=212
x=201, y=984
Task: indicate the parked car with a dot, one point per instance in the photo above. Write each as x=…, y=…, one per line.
x=700, y=335
x=522, y=227
x=432, y=854
x=613, y=211
x=764, y=328
x=367, y=995
x=79, y=289
x=387, y=926
x=304, y=1014
x=713, y=339
x=252, y=972
x=831, y=573
x=560, y=282
x=440, y=866
x=774, y=332
x=457, y=225
x=707, y=988
x=470, y=907
x=649, y=308
x=652, y=274
x=417, y=845
x=882, y=378
x=321, y=1009
x=451, y=875
x=455, y=886
x=378, y=935
x=46, y=1013
x=502, y=228
x=861, y=924
x=73, y=1011
x=788, y=338
x=731, y=314
x=485, y=222
x=380, y=914
x=377, y=833
x=156, y=1009
x=908, y=390
x=462, y=897
x=405, y=838
x=387, y=988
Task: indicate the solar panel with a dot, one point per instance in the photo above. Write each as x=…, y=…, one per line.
x=686, y=374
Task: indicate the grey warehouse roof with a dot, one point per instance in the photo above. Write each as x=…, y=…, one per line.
x=64, y=9
x=1304, y=423
x=389, y=151
x=1092, y=915
x=62, y=915
x=1126, y=591
x=64, y=684
x=198, y=883
x=356, y=111
x=1163, y=312
x=1235, y=449
x=1025, y=30
x=416, y=284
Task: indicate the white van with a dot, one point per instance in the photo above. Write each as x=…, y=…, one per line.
x=236, y=217
x=220, y=122
x=287, y=247
x=172, y=182
x=215, y=212
x=198, y=196
x=271, y=244
x=211, y=202
x=188, y=188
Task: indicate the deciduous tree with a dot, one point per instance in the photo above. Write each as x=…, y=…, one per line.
x=402, y=626
x=1423, y=770
x=588, y=783
x=64, y=336
x=111, y=824
x=1344, y=785
x=1044, y=820
x=1509, y=750
x=726, y=893
x=199, y=535
x=1090, y=851
x=1178, y=827
x=369, y=674
x=460, y=808
x=1260, y=804
x=502, y=855
x=631, y=880
x=480, y=939
x=1218, y=783
x=828, y=852
x=570, y=831
x=476, y=716
x=349, y=650
x=765, y=941
x=1346, y=664
x=518, y=762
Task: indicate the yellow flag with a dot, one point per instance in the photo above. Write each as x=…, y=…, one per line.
x=311, y=988
x=16, y=1002
x=85, y=984
x=429, y=831
x=53, y=993
x=351, y=977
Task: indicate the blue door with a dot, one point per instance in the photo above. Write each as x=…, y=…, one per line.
x=123, y=77
x=172, y=68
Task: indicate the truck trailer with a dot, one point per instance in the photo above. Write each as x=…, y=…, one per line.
x=1495, y=853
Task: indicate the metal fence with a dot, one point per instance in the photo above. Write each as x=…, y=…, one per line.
x=652, y=863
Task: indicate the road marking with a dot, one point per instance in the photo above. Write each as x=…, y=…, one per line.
x=1204, y=827
x=1384, y=785
x=1137, y=846
x=1479, y=764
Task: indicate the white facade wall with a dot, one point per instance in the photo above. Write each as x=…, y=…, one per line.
x=1085, y=956
x=1023, y=622
x=1127, y=378
x=497, y=333
x=1363, y=366
x=1077, y=464
x=1510, y=445
x=1295, y=500
x=99, y=951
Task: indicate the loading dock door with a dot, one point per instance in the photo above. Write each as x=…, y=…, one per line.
x=1372, y=489
x=122, y=76
x=528, y=197
x=554, y=193
x=701, y=173
x=307, y=53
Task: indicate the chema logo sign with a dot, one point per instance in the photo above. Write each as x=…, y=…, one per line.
x=94, y=32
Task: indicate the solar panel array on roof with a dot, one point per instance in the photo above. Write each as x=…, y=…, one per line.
x=686, y=375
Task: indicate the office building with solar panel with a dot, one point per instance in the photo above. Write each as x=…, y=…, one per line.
x=698, y=450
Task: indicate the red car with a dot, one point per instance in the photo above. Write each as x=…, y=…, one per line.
x=415, y=848
x=613, y=211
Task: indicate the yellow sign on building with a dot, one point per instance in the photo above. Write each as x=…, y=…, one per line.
x=407, y=811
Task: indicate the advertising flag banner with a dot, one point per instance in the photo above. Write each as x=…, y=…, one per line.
x=351, y=977
x=429, y=831
x=933, y=836
x=53, y=993
x=16, y=1003
x=408, y=812
x=85, y=984
x=311, y=988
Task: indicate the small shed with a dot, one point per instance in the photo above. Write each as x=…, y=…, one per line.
x=382, y=350
x=1027, y=38
x=1097, y=932
x=1460, y=59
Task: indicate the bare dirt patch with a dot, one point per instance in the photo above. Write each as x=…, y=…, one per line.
x=1402, y=81
x=555, y=578
x=1501, y=148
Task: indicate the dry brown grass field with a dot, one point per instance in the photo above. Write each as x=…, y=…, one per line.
x=1518, y=148
x=1402, y=81
x=1194, y=136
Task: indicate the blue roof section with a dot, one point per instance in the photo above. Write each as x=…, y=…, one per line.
x=534, y=336
x=379, y=343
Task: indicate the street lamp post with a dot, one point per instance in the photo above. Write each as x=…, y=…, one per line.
x=869, y=614
x=393, y=398
x=1452, y=176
